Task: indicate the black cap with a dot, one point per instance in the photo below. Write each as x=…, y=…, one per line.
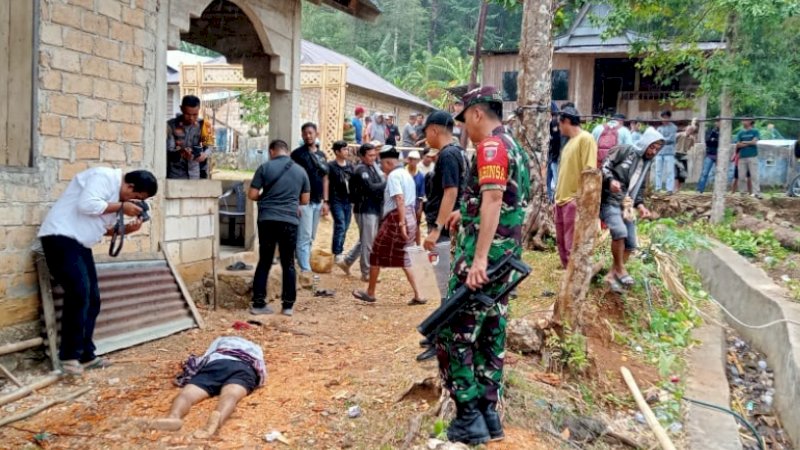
x=389, y=152
x=570, y=112
x=618, y=116
x=440, y=117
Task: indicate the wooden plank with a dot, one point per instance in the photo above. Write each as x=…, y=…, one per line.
x=20, y=346
x=20, y=79
x=23, y=392
x=7, y=373
x=18, y=310
x=4, y=19
x=48, y=309
x=184, y=291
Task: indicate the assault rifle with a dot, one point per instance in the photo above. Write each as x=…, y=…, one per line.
x=464, y=297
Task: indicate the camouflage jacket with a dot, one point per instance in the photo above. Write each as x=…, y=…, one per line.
x=499, y=163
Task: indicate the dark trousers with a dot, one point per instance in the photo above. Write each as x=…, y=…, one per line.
x=72, y=265
x=273, y=234
x=342, y=212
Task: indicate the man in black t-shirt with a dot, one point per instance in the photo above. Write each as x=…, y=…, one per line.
x=394, y=132
x=309, y=157
x=446, y=184
x=339, y=172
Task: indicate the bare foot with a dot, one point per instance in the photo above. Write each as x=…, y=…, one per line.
x=167, y=424
x=211, y=427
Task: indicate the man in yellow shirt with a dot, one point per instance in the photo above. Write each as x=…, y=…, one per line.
x=579, y=154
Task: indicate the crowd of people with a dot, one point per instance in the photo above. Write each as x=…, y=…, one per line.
x=470, y=206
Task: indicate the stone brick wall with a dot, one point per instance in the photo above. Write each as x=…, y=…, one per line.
x=191, y=225
x=95, y=82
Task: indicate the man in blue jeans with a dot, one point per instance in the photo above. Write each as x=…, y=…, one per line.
x=281, y=189
x=665, y=161
x=712, y=145
x=309, y=157
x=338, y=188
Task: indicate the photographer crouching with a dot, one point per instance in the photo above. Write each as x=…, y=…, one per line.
x=89, y=209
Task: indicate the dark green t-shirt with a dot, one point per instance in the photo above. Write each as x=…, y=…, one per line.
x=747, y=135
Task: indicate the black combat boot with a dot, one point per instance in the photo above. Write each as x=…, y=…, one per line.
x=489, y=411
x=429, y=353
x=468, y=427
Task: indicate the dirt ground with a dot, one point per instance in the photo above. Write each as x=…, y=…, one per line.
x=333, y=354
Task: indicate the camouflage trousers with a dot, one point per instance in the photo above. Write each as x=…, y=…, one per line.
x=471, y=351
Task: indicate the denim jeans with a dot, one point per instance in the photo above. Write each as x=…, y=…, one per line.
x=665, y=172
x=552, y=180
x=707, y=174
x=72, y=265
x=341, y=212
x=272, y=233
x=306, y=232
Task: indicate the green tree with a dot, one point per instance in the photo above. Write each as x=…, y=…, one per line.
x=255, y=110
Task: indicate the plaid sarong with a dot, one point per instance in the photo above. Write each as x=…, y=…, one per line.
x=389, y=248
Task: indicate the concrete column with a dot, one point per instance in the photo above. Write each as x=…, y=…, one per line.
x=284, y=119
x=155, y=143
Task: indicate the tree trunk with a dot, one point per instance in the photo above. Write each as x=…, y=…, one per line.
x=534, y=81
x=476, y=57
x=723, y=159
x=580, y=269
x=725, y=129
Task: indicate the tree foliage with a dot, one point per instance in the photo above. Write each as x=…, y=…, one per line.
x=255, y=110
x=422, y=46
x=759, y=67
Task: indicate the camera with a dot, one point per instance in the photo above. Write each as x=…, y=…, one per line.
x=145, y=214
x=197, y=150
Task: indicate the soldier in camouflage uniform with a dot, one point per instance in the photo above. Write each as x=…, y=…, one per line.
x=471, y=348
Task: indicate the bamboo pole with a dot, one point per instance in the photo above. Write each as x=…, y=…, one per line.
x=21, y=345
x=19, y=393
x=658, y=430
x=43, y=406
x=10, y=376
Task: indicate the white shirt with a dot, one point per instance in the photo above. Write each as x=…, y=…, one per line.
x=399, y=181
x=423, y=169
x=78, y=213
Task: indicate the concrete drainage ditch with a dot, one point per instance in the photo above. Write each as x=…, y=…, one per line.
x=755, y=300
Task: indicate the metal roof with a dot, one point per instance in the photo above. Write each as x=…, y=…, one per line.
x=140, y=301
x=357, y=74
x=585, y=36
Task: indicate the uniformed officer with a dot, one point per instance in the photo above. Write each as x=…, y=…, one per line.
x=471, y=348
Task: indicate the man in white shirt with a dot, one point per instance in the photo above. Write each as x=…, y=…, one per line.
x=398, y=227
x=88, y=210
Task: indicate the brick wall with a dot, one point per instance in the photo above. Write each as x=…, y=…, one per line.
x=96, y=71
x=191, y=223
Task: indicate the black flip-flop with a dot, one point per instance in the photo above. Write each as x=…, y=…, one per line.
x=615, y=286
x=325, y=293
x=363, y=296
x=417, y=301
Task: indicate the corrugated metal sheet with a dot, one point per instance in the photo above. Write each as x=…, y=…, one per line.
x=140, y=301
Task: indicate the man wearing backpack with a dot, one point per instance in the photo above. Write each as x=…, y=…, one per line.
x=609, y=135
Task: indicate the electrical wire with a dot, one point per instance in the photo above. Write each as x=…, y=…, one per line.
x=734, y=414
x=754, y=327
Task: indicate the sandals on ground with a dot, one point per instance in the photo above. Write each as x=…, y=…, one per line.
x=417, y=301
x=363, y=296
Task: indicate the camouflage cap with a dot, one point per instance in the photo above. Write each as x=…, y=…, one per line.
x=482, y=94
